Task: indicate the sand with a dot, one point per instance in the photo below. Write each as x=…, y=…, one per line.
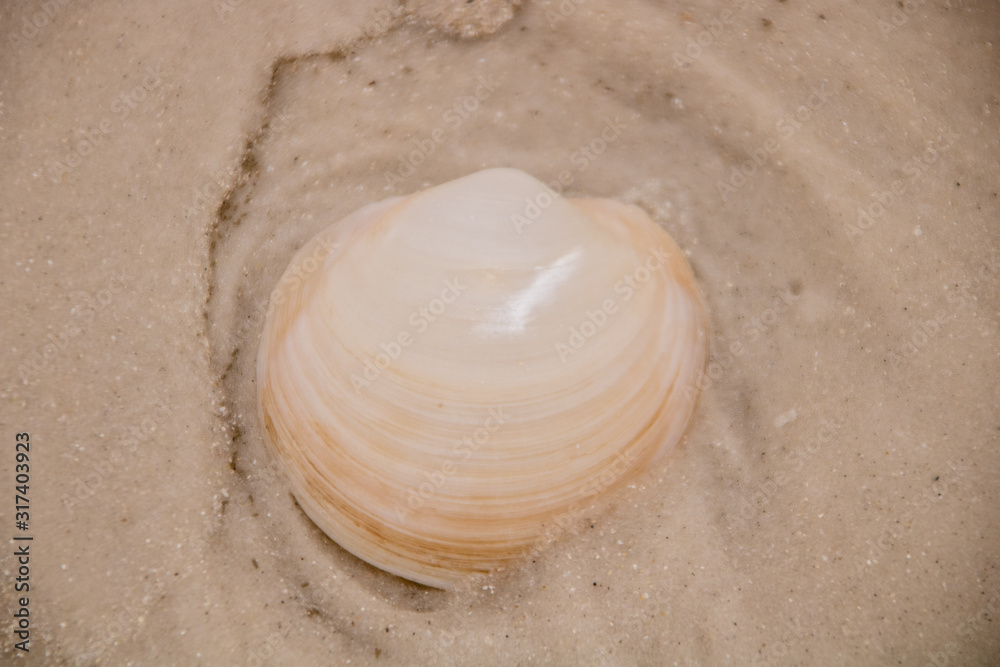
x=831, y=170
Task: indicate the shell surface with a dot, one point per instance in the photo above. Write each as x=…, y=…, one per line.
x=449, y=376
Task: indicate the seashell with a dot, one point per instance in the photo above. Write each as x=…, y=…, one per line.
x=450, y=377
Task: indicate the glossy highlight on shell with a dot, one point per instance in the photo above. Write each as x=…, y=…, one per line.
x=448, y=376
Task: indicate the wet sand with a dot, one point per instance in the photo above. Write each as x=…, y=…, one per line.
x=831, y=171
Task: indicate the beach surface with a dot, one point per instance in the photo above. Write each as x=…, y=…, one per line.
x=830, y=170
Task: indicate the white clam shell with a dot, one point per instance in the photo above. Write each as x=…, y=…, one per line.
x=446, y=375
